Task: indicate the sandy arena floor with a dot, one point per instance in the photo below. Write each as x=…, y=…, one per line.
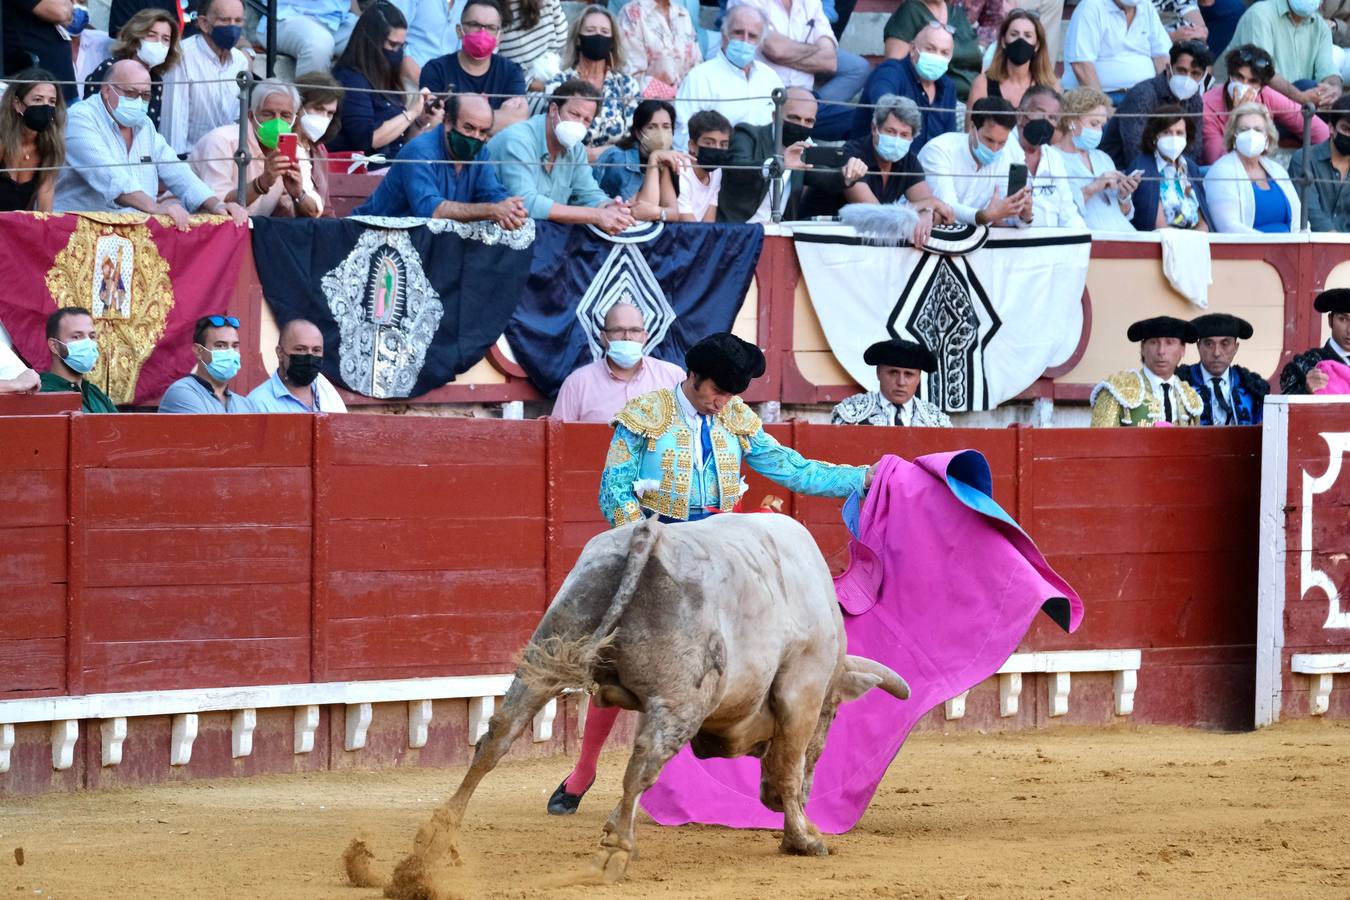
x=1060, y=813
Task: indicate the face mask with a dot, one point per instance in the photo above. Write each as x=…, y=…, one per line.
x=931, y=67
x=129, y=111
x=1304, y=9
x=224, y=364
x=1019, y=52
x=463, y=147
x=315, y=125
x=740, y=53
x=1038, y=132
x=893, y=148
x=569, y=133
x=794, y=132
x=624, y=354
x=303, y=368
x=1171, y=146
x=655, y=140
x=226, y=36
x=152, y=53
x=1250, y=143
x=269, y=131
x=1236, y=89
x=79, y=22
x=1183, y=87
x=1342, y=143
x=39, y=118
x=1128, y=4
x=983, y=155
x=1088, y=139
x=81, y=355
x=480, y=44
x=711, y=158
x=394, y=58
x=595, y=47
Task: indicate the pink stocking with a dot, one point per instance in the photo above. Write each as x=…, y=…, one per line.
x=599, y=723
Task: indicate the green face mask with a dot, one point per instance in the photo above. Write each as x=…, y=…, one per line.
x=463, y=147
x=269, y=131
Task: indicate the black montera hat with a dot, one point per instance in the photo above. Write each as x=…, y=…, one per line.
x=729, y=361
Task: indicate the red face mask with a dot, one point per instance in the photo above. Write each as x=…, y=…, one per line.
x=480, y=44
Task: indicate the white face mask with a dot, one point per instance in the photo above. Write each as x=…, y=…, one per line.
x=152, y=53
x=1250, y=143
x=1183, y=87
x=314, y=125
x=569, y=133
x=1236, y=89
x=1171, y=146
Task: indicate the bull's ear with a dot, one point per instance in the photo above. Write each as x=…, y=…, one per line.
x=853, y=685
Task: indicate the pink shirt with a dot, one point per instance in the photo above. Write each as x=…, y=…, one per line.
x=1284, y=111
x=593, y=393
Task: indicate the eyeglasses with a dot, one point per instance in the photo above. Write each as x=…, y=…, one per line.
x=222, y=321
x=943, y=25
x=629, y=333
x=471, y=27
x=130, y=94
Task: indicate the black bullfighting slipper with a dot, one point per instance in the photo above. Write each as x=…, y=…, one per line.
x=563, y=803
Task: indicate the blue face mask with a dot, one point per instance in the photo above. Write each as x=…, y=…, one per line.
x=224, y=364
x=740, y=53
x=130, y=112
x=892, y=148
x=624, y=354
x=81, y=355
x=931, y=67
x=226, y=36
x=1088, y=139
x=983, y=155
x=1305, y=9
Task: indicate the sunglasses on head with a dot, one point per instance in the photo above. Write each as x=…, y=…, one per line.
x=943, y=25
x=221, y=321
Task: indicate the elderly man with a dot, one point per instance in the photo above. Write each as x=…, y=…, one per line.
x=277, y=186
x=732, y=82
x=476, y=69
x=921, y=77
x=215, y=343
x=1112, y=45
x=969, y=170
x=1232, y=395
x=1152, y=394
x=543, y=162
x=802, y=49
x=1052, y=204
x=1301, y=375
x=1299, y=41
x=72, y=338
x=298, y=384
x=200, y=92
x=597, y=391
x=900, y=367
x=465, y=190
x=113, y=128
x=1179, y=83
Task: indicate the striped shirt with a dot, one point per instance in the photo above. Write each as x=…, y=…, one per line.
x=193, y=107
x=548, y=35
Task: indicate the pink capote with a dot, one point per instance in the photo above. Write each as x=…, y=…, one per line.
x=1338, y=377
x=941, y=587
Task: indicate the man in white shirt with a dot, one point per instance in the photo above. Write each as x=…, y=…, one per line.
x=700, y=184
x=599, y=390
x=733, y=82
x=1112, y=45
x=1153, y=394
x=1052, y=203
x=968, y=170
x=298, y=384
x=200, y=92
x=15, y=377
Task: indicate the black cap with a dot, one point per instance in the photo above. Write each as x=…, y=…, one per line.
x=902, y=353
x=1221, y=325
x=1162, y=327
x=729, y=361
x=1333, y=301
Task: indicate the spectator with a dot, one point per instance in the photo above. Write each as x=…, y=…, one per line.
x=598, y=391
x=1328, y=164
x=642, y=167
x=33, y=39
x=313, y=31
x=1300, y=375
x=15, y=376
x=215, y=343
x=921, y=77
x=892, y=170
x=432, y=33
x=1299, y=42
x=563, y=189
x=114, y=129
x=1232, y=395
x=594, y=56
x=1101, y=193
x=200, y=92
x=477, y=69
x=1112, y=45
x=800, y=47
x=733, y=82
x=1337, y=16
x=1250, y=71
x=1248, y=192
x=32, y=139
x=1151, y=394
x=152, y=37
x=1021, y=61
x=277, y=184
x=120, y=12
x=969, y=170
x=901, y=365
x=298, y=385
x=455, y=182
x=320, y=97
x=1221, y=18
x=1172, y=192
x=660, y=41
x=700, y=184
x=377, y=115
x=747, y=194
x=72, y=338
x=1182, y=20
x=1178, y=84
x=987, y=17
x=1052, y=198
x=534, y=33
x=915, y=16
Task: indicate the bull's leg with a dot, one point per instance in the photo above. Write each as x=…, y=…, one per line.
x=783, y=772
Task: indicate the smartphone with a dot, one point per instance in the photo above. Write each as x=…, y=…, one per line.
x=287, y=145
x=1017, y=178
x=1137, y=173
x=824, y=157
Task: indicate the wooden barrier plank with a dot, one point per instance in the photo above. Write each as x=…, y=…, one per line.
x=32, y=610
x=166, y=665
x=472, y=489
x=355, y=595
x=32, y=497
x=217, y=554
x=196, y=612
x=33, y=555
x=34, y=442
x=374, y=440
x=1078, y=481
x=32, y=667
x=394, y=545
x=247, y=497
x=444, y=644
x=209, y=442
x=1156, y=525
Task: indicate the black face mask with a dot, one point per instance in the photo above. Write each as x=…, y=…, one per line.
x=1038, y=132
x=302, y=369
x=1019, y=52
x=39, y=118
x=1341, y=142
x=794, y=133
x=596, y=47
x=713, y=158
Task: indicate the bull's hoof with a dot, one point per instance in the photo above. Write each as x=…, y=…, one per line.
x=612, y=863
x=804, y=846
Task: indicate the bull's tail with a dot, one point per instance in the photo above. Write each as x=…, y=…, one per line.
x=556, y=664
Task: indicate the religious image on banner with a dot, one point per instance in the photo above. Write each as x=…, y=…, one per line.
x=113, y=275
x=688, y=281
x=997, y=308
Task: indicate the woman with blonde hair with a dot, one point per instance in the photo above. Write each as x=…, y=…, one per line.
x=1021, y=60
x=595, y=55
x=1101, y=193
x=1248, y=192
x=32, y=141
x=152, y=37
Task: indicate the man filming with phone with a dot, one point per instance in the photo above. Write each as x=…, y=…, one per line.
x=969, y=171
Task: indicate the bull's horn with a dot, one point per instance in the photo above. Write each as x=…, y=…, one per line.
x=891, y=683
